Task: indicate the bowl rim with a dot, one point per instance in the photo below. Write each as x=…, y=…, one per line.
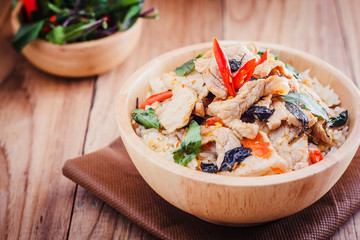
x=15, y=24
x=129, y=136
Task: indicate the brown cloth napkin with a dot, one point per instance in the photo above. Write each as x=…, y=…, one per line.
x=110, y=175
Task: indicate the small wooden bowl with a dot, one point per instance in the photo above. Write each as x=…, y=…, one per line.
x=79, y=59
x=238, y=201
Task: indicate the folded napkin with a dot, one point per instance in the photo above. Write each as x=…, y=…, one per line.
x=110, y=175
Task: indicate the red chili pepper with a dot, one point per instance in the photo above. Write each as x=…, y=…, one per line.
x=30, y=6
x=53, y=18
x=224, y=67
x=264, y=57
x=244, y=74
x=46, y=29
x=316, y=156
x=157, y=98
x=106, y=18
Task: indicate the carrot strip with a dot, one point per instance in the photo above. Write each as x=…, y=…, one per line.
x=258, y=146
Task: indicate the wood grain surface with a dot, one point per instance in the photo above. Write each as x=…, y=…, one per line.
x=46, y=120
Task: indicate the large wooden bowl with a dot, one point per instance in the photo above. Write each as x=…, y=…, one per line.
x=238, y=200
x=79, y=59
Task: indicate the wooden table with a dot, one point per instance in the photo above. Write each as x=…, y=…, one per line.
x=46, y=120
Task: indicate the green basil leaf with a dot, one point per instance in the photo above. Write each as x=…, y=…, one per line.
x=340, y=120
x=26, y=33
x=296, y=111
x=187, y=67
x=56, y=36
x=305, y=101
x=294, y=72
x=147, y=118
x=190, y=147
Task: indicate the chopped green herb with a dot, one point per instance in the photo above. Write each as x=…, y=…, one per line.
x=340, y=120
x=294, y=72
x=26, y=34
x=190, y=147
x=305, y=101
x=147, y=118
x=187, y=67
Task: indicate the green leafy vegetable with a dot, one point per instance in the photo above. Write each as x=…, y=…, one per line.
x=26, y=34
x=190, y=147
x=187, y=67
x=305, y=101
x=339, y=121
x=66, y=21
x=294, y=72
x=296, y=111
x=147, y=118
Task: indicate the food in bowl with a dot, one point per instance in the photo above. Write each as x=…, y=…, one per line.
x=62, y=22
x=240, y=111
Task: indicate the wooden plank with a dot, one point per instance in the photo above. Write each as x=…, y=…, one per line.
x=350, y=25
x=179, y=25
x=310, y=25
x=43, y=121
x=350, y=22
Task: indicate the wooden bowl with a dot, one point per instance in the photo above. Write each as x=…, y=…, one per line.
x=228, y=200
x=79, y=59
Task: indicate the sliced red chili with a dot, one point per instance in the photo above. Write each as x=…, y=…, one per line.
x=264, y=57
x=224, y=67
x=316, y=156
x=157, y=98
x=244, y=74
x=30, y=6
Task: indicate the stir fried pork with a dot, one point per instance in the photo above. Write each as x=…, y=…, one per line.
x=176, y=113
x=225, y=140
x=263, y=70
x=230, y=111
x=215, y=85
x=211, y=74
x=296, y=154
x=254, y=132
x=259, y=166
x=282, y=114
